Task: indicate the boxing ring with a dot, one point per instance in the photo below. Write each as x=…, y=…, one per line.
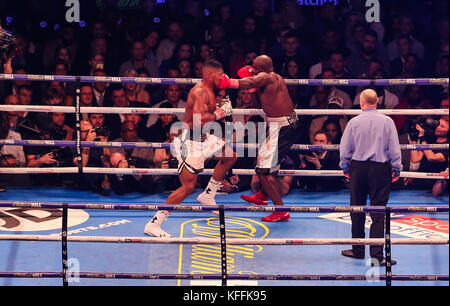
x=220, y=247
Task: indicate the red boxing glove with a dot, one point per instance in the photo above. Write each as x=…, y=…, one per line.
x=245, y=72
x=226, y=82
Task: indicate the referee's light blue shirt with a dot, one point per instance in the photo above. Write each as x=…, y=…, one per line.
x=371, y=136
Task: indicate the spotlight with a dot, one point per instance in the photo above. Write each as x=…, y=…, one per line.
x=156, y=20
x=43, y=24
x=82, y=23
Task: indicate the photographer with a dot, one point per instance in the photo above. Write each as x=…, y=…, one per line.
x=142, y=156
x=122, y=184
x=320, y=160
x=92, y=157
x=41, y=157
x=431, y=161
x=146, y=158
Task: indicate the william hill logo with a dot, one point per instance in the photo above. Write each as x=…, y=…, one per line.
x=206, y=259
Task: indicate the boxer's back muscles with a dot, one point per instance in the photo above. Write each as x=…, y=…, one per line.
x=272, y=93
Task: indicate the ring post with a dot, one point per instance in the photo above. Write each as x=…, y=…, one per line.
x=388, y=248
x=223, y=244
x=64, y=244
x=78, y=125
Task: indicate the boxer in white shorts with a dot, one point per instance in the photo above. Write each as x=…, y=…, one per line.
x=273, y=94
x=193, y=150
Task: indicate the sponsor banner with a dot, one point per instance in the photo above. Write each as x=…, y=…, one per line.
x=412, y=226
x=17, y=219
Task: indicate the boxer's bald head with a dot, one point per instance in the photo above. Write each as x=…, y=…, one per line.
x=262, y=63
x=368, y=99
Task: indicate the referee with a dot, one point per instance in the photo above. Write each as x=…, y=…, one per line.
x=371, y=159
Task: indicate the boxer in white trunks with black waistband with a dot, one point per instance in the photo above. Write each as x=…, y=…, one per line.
x=283, y=124
x=193, y=150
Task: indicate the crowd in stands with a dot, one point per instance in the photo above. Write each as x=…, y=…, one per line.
x=174, y=39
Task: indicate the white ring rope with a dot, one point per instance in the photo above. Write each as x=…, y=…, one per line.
x=157, y=171
x=229, y=241
x=180, y=111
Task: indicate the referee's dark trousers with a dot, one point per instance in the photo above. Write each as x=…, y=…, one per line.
x=371, y=179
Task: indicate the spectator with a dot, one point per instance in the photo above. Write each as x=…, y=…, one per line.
x=244, y=100
x=444, y=104
x=411, y=70
x=182, y=51
x=99, y=88
x=100, y=45
x=292, y=15
x=356, y=38
x=167, y=45
x=198, y=68
x=142, y=157
x=317, y=69
x=123, y=184
x=173, y=96
x=319, y=98
x=98, y=121
x=261, y=14
x=251, y=38
x=24, y=54
x=9, y=121
x=291, y=51
x=333, y=129
x=36, y=156
x=159, y=131
x=318, y=122
x=220, y=48
x=337, y=62
x=60, y=127
x=430, y=161
x=63, y=53
x=298, y=94
x=96, y=61
x=66, y=37
x=412, y=99
x=114, y=121
x=138, y=60
x=204, y=52
x=321, y=160
x=358, y=63
x=136, y=94
x=17, y=83
x=151, y=45
x=406, y=29
x=334, y=91
x=441, y=71
x=92, y=157
x=185, y=68
x=386, y=99
x=404, y=46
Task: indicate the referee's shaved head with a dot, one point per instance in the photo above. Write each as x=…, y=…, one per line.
x=369, y=97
